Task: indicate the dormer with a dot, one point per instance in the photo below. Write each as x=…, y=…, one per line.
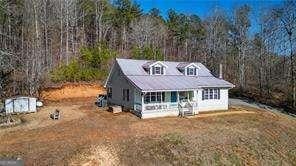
x=188, y=69
x=155, y=68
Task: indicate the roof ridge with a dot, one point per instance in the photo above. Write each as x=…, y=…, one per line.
x=151, y=60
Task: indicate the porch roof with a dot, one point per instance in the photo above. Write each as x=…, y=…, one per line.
x=177, y=83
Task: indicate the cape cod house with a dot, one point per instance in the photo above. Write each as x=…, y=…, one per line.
x=163, y=88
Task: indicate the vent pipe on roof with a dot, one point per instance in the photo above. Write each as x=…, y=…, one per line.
x=220, y=71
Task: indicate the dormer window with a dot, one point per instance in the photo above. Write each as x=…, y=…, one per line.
x=155, y=68
x=189, y=69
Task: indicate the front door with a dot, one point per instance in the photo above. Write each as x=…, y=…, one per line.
x=174, y=96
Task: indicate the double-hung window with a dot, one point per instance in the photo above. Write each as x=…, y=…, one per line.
x=125, y=94
x=191, y=71
x=109, y=92
x=157, y=70
x=212, y=93
x=154, y=97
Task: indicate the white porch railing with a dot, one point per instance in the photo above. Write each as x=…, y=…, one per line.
x=160, y=106
x=166, y=105
x=187, y=108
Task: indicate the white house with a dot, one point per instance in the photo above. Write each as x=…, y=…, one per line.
x=163, y=88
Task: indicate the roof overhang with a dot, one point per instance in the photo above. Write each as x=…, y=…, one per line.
x=192, y=64
x=180, y=90
x=158, y=62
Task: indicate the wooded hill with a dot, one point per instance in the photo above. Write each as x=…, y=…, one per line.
x=73, y=40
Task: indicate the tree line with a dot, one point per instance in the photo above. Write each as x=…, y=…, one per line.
x=50, y=40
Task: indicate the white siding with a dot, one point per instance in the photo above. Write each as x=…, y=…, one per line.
x=160, y=113
x=213, y=104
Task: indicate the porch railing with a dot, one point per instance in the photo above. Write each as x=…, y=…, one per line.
x=160, y=106
x=186, y=108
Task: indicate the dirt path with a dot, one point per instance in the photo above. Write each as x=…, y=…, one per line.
x=72, y=90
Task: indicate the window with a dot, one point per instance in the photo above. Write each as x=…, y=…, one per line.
x=186, y=95
x=205, y=94
x=191, y=71
x=109, y=92
x=154, y=97
x=210, y=94
x=125, y=94
x=215, y=93
x=157, y=70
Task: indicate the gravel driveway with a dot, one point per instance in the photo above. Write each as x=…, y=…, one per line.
x=249, y=103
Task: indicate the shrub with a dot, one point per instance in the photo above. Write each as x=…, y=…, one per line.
x=91, y=65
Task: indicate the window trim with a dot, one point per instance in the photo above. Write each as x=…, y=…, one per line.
x=158, y=97
x=191, y=71
x=211, y=94
x=157, y=70
x=125, y=95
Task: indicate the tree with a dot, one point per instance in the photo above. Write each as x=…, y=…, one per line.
x=147, y=52
x=146, y=31
x=218, y=40
x=259, y=49
x=242, y=24
x=184, y=29
x=284, y=21
x=126, y=11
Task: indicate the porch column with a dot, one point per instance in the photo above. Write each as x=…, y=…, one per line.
x=188, y=95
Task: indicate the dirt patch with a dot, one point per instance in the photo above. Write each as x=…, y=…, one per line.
x=72, y=90
x=97, y=155
x=42, y=119
x=9, y=121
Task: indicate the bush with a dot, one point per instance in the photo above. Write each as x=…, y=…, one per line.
x=91, y=65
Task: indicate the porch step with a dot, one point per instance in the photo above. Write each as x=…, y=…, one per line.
x=188, y=113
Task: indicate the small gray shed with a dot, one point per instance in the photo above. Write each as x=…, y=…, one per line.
x=20, y=105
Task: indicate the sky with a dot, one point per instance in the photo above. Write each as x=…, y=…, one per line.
x=203, y=8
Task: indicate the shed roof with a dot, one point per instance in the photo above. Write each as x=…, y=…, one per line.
x=172, y=80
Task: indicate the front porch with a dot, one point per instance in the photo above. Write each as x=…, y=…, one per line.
x=171, y=103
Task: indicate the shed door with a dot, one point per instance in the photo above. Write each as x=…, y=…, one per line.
x=21, y=105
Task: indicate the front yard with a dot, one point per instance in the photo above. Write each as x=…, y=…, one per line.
x=87, y=135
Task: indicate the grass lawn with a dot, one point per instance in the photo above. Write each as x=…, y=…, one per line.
x=87, y=135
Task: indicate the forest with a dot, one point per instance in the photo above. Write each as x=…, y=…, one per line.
x=54, y=41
